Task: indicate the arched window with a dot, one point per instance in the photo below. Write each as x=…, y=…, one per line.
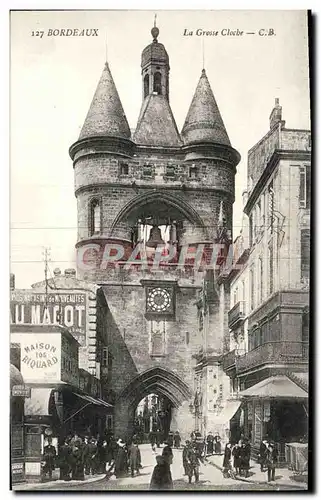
x=158, y=83
x=95, y=216
x=146, y=86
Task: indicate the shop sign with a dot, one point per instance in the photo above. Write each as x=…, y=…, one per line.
x=17, y=468
x=66, y=309
x=21, y=391
x=40, y=358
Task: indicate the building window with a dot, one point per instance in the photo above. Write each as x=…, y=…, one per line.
x=305, y=253
x=146, y=86
x=201, y=321
x=251, y=230
x=271, y=205
x=258, y=219
x=147, y=170
x=158, y=83
x=170, y=170
x=95, y=216
x=260, y=278
x=187, y=338
x=305, y=326
x=193, y=172
x=305, y=187
x=271, y=268
x=265, y=332
x=124, y=169
x=104, y=361
x=252, y=289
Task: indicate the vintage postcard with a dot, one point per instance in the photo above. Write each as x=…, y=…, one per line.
x=160, y=250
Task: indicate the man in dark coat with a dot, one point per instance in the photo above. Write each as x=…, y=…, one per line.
x=236, y=453
x=210, y=443
x=217, y=444
x=177, y=439
x=193, y=463
x=184, y=457
x=162, y=477
x=121, y=461
x=263, y=453
x=227, y=461
x=49, y=458
x=86, y=454
x=64, y=461
x=77, y=461
x=271, y=461
x=170, y=439
x=245, y=457
x=134, y=458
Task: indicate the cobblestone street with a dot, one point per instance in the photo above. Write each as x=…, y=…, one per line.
x=211, y=478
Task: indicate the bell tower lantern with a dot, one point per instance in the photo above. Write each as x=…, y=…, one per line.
x=155, y=67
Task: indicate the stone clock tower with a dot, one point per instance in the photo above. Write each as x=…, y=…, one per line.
x=157, y=195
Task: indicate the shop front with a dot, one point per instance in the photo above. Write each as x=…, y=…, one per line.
x=276, y=408
x=17, y=395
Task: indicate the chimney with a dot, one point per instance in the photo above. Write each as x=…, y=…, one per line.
x=12, y=281
x=57, y=272
x=70, y=273
x=276, y=113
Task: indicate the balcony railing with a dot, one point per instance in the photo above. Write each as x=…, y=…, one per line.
x=285, y=352
x=228, y=360
x=236, y=314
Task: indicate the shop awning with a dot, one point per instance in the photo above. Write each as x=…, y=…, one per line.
x=228, y=412
x=279, y=386
x=94, y=401
x=38, y=403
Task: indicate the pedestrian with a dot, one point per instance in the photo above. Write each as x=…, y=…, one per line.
x=49, y=458
x=193, y=463
x=227, y=461
x=170, y=439
x=236, y=454
x=121, y=461
x=134, y=458
x=245, y=457
x=184, y=456
x=271, y=460
x=77, y=460
x=217, y=444
x=162, y=477
x=152, y=440
x=263, y=453
x=210, y=443
x=177, y=439
x=92, y=459
x=158, y=438
x=86, y=455
x=64, y=460
x=76, y=439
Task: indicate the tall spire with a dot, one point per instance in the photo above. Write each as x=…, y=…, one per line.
x=204, y=121
x=106, y=115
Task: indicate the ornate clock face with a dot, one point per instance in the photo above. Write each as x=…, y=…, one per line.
x=159, y=300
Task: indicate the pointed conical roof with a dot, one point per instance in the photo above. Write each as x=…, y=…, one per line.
x=106, y=116
x=204, y=121
x=156, y=124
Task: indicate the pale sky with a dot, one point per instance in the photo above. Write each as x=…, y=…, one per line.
x=53, y=80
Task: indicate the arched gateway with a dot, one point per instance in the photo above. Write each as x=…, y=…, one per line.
x=154, y=380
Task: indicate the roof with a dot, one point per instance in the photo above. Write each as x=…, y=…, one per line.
x=106, y=116
x=154, y=52
x=279, y=386
x=156, y=124
x=204, y=121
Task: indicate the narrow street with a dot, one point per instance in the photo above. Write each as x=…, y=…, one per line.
x=210, y=478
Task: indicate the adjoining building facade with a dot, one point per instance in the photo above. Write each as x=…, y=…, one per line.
x=59, y=343
x=157, y=187
x=268, y=354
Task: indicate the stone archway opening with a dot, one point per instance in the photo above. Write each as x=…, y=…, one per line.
x=153, y=414
x=172, y=392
